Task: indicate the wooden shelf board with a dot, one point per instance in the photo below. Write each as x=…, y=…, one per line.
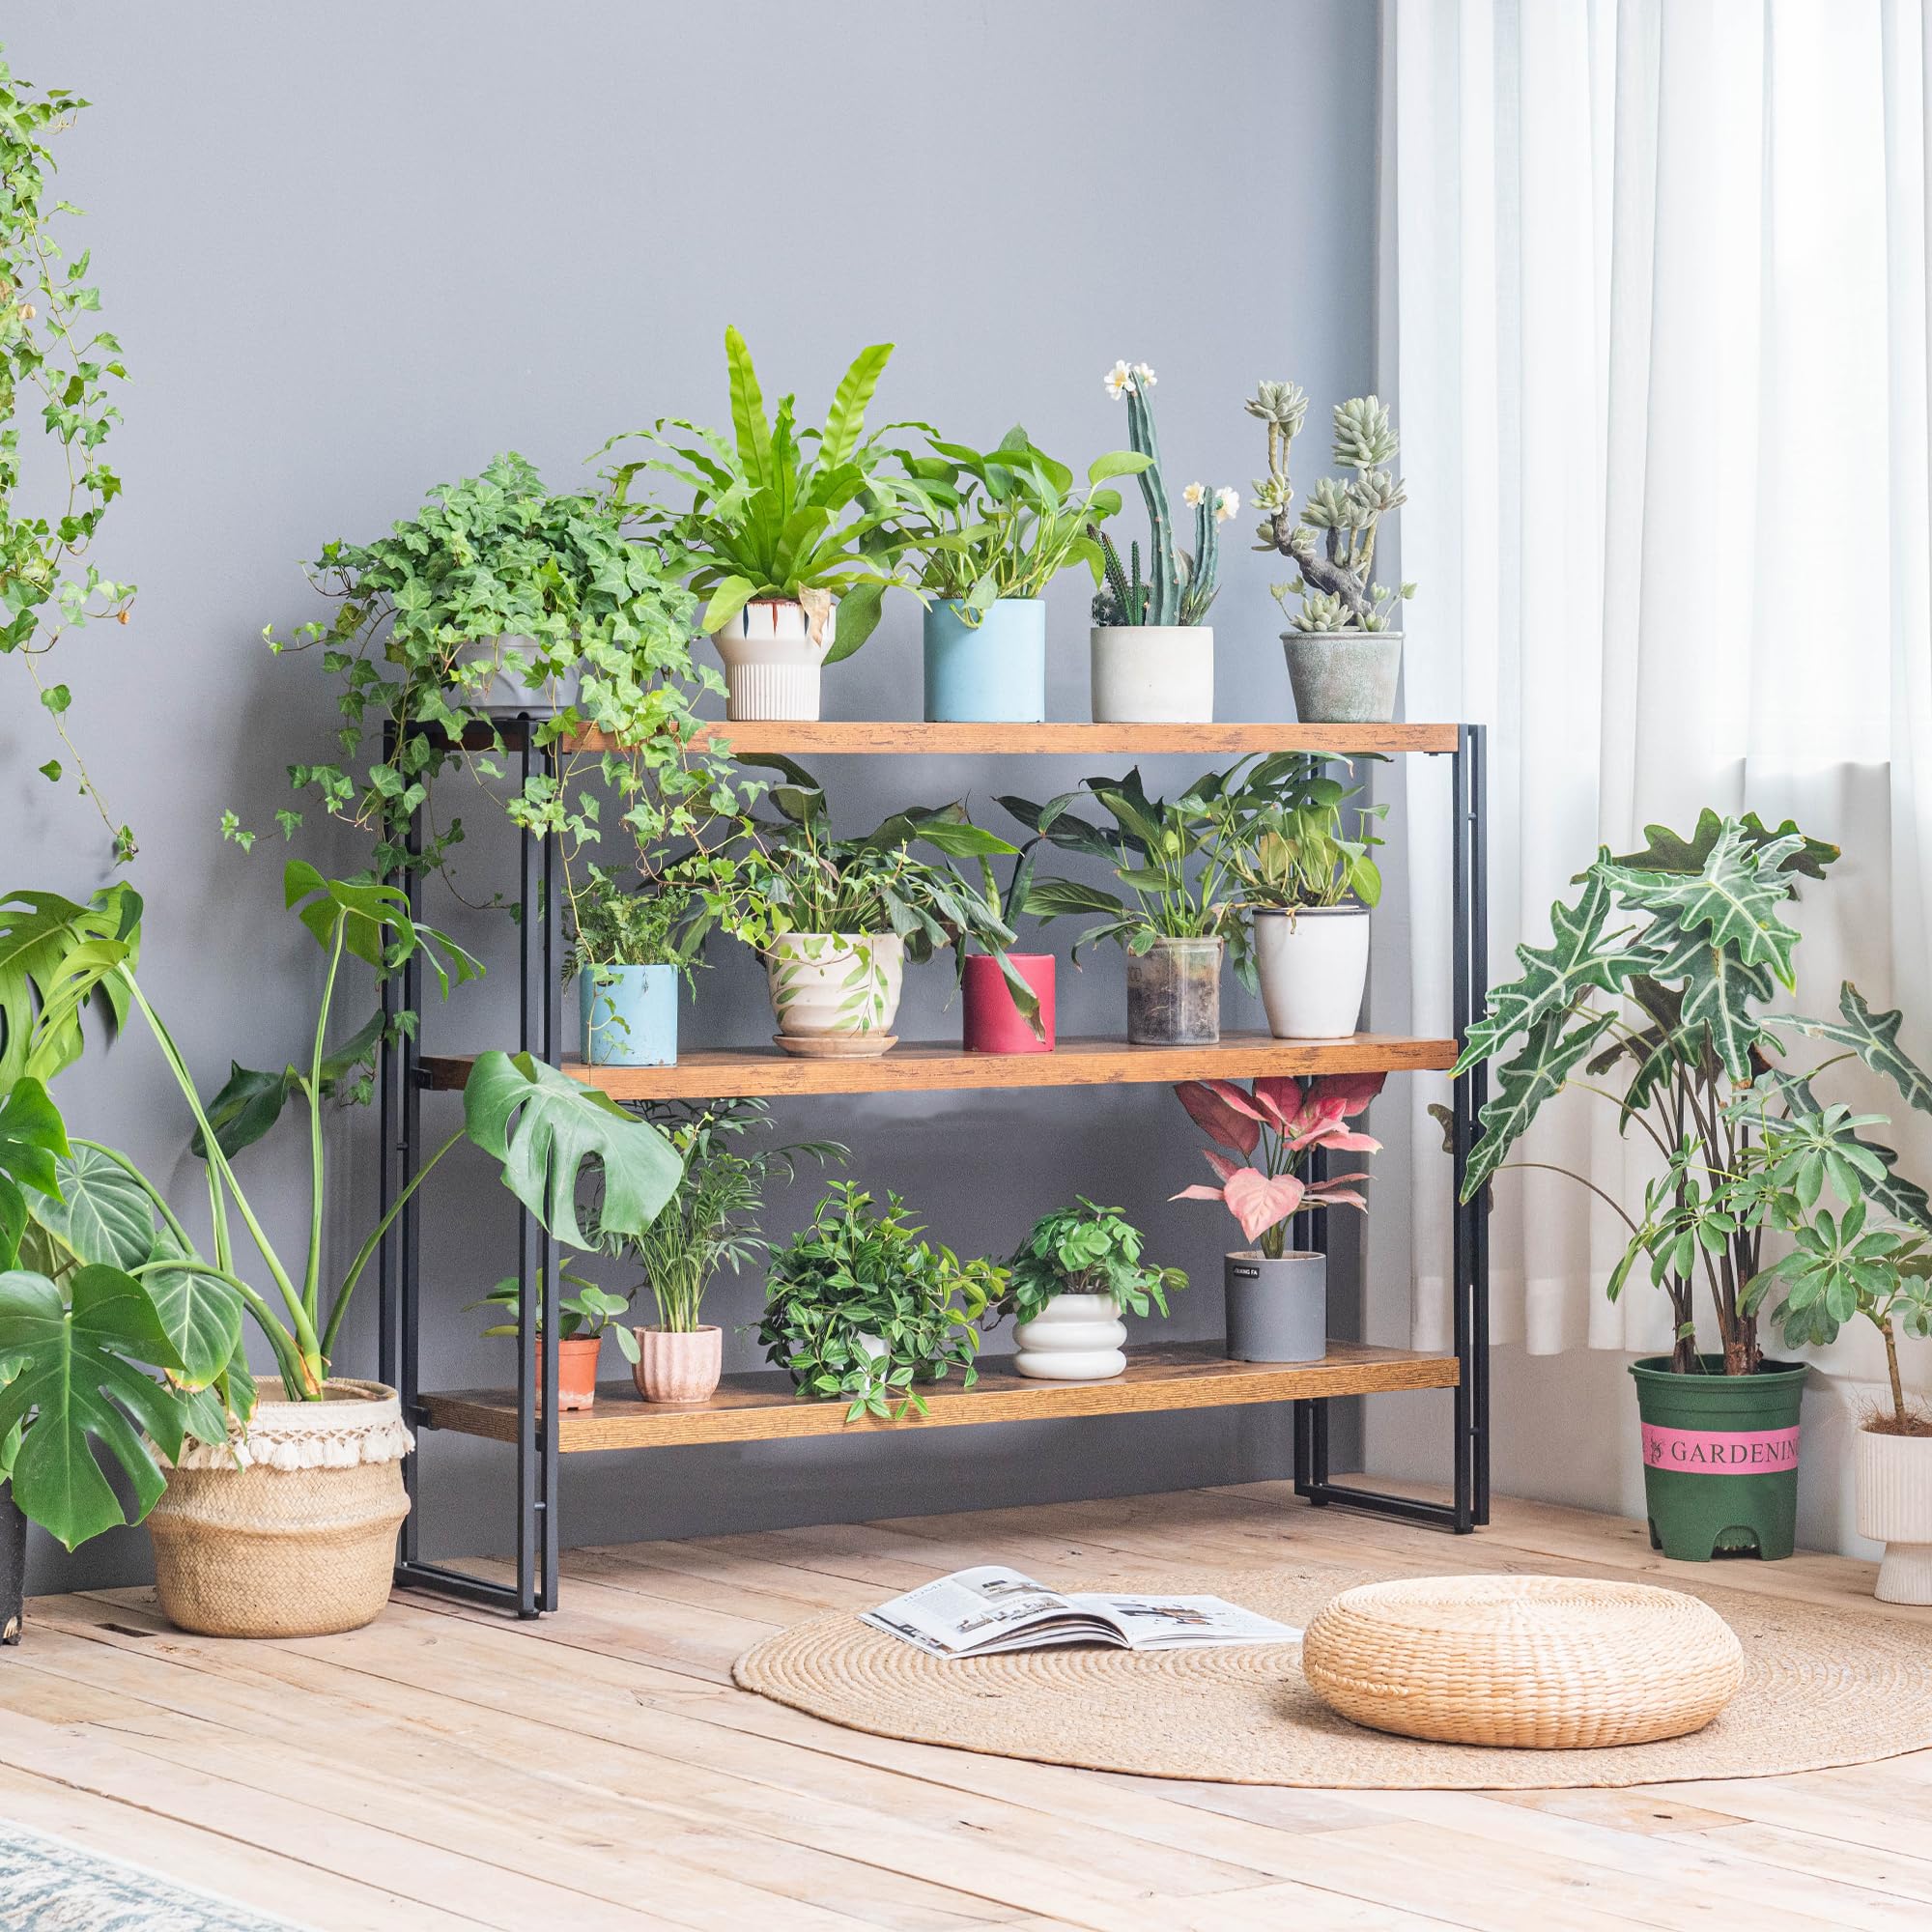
x=762, y=1408
x=928, y=1066
x=821, y=737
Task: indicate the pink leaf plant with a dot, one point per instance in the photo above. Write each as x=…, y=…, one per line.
x=1274, y=1128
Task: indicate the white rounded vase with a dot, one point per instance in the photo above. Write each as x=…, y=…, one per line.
x=773, y=654
x=1152, y=674
x=836, y=994
x=1075, y=1338
x=1313, y=964
x=1895, y=1509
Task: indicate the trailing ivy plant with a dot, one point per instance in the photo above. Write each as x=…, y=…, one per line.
x=1085, y=1249
x=57, y=361
x=859, y=1310
x=1657, y=978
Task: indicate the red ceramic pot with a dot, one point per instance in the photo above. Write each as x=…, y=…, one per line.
x=994, y=1024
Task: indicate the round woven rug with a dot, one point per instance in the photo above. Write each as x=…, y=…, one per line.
x=1821, y=1688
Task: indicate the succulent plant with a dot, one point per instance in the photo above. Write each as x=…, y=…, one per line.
x=1180, y=584
x=1332, y=541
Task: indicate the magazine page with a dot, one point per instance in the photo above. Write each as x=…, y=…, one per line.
x=1171, y=1622
x=972, y=1610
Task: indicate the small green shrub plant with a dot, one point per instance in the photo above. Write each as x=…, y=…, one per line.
x=1085, y=1249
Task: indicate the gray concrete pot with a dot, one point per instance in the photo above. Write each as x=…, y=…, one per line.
x=1343, y=677
x=1277, y=1310
x=12, y=1566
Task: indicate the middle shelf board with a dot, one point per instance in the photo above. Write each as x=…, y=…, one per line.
x=918, y=1067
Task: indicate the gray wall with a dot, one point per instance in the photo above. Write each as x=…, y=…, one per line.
x=355, y=249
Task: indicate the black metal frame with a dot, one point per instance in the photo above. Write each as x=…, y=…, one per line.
x=399, y=1259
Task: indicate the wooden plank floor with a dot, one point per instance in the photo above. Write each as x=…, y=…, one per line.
x=445, y=1769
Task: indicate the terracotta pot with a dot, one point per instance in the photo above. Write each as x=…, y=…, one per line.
x=678, y=1365
x=288, y=1528
x=993, y=1023
x=576, y=1371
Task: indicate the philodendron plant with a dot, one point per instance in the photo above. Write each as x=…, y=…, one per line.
x=1656, y=976
x=1180, y=584
x=104, y=1214
x=1332, y=541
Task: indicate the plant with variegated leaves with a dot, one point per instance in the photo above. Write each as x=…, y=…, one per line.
x=1276, y=1128
x=1659, y=973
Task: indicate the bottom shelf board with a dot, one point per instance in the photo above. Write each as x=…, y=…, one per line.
x=760, y=1407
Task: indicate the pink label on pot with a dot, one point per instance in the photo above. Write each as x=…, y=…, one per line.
x=1720, y=1452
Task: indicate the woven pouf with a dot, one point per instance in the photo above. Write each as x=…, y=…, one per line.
x=1548, y=1662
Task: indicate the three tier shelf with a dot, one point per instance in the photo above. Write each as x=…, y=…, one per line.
x=762, y=1408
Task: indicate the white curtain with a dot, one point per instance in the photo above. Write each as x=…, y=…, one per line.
x=1656, y=332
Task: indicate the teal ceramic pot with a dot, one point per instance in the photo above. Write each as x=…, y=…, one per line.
x=630, y=1015
x=992, y=672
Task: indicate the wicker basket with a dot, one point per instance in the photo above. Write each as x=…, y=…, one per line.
x=1543, y=1662
x=288, y=1529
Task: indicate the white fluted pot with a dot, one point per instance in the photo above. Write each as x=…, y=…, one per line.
x=1895, y=1478
x=773, y=655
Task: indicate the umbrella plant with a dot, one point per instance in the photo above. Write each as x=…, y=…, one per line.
x=1268, y=1135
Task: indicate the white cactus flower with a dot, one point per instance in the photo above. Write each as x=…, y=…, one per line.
x=1119, y=379
x=1193, y=493
x=1227, y=504
x=1143, y=377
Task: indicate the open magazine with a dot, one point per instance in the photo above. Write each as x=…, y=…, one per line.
x=981, y=1612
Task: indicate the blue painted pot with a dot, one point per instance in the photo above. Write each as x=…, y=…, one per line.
x=630, y=1015
x=992, y=672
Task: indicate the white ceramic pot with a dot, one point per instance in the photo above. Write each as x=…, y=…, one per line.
x=1313, y=968
x=836, y=994
x=1075, y=1338
x=1895, y=1509
x=772, y=652
x=507, y=690
x=1152, y=674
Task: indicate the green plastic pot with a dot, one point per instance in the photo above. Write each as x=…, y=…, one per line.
x=1719, y=1457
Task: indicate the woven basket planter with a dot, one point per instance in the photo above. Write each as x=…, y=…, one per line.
x=288, y=1528
x=1543, y=1662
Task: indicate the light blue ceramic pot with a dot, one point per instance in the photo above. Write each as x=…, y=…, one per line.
x=630, y=1015
x=993, y=672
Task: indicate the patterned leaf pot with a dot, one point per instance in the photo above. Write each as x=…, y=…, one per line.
x=12, y=1566
x=1895, y=1509
x=1152, y=674
x=576, y=1371
x=1343, y=677
x=1075, y=1338
x=1314, y=969
x=1719, y=1457
x=1277, y=1310
x=772, y=660
x=993, y=1023
x=288, y=1528
x=836, y=994
x=990, y=672
x=1173, y=993
x=678, y=1365
x=628, y=1015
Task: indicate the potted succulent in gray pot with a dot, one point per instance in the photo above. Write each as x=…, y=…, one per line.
x=789, y=530
x=1344, y=660
x=986, y=533
x=1278, y=1300
x=1176, y=920
x=1152, y=648
x=1305, y=889
x=1069, y=1282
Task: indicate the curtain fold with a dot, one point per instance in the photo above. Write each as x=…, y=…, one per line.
x=1656, y=335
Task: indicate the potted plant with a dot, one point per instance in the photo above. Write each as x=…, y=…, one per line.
x=1278, y=1301
x=283, y=1521
x=836, y=918
x=859, y=1310
x=791, y=528
x=710, y=1224
x=626, y=952
x=1304, y=888
x=986, y=532
x=1689, y=933
x=1175, y=929
x=1343, y=662
x=1153, y=649
x=585, y=1313
x=1069, y=1282
x=993, y=1021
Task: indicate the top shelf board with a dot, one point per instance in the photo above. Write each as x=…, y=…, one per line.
x=805, y=738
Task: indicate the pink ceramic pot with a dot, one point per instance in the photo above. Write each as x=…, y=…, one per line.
x=675, y=1365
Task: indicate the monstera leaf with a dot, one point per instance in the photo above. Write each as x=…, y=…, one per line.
x=77, y=1373
x=1733, y=901
x=543, y=1127
x=54, y=957
x=32, y=1142
x=1522, y=1085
